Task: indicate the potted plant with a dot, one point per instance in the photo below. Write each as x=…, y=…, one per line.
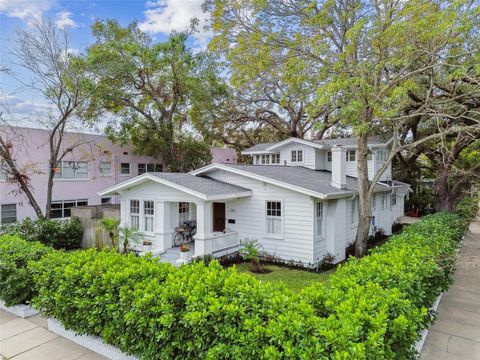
x=147, y=244
x=184, y=252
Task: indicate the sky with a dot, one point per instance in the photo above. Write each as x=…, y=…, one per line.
x=157, y=18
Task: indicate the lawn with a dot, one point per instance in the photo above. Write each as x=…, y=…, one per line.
x=294, y=279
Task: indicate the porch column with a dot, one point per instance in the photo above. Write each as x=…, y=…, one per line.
x=203, y=244
x=163, y=231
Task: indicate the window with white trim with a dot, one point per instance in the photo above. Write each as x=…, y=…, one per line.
x=125, y=168
x=350, y=155
x=265, y=159
x=143, y=168
x=71, y=170
x=329, y=156
x=273, y=218
x=382, y=155
x=257, y=159
x=148, y=215
x=297, y=156
x=8, y=213
x=183, y=212
x=276, y=159
x=105, y=168
x=135, y=214
x=63, y=208
x=319, y=217
x=394, y=200
x=352, y=205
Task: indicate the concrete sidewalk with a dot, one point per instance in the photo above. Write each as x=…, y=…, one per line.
x=29, y=339
x=456, y=332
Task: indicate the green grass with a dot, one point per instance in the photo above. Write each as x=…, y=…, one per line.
x=294, y=279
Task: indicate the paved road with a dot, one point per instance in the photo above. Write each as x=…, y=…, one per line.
x=456, y=333
x=28, y=339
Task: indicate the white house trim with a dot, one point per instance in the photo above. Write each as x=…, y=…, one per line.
x=295, y=140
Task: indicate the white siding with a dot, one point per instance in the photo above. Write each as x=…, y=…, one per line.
x=249, y=216
x=308, y=155
x=320, y=159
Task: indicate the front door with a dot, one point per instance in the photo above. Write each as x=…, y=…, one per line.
x=218, y=217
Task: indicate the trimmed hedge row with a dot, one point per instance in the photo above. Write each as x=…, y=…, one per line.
x=16, y=281
x=372, y=308
x=65, y=234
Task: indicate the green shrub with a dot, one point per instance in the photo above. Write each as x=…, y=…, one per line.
x=60, y=234
x=468, y=207
x=16, y=282
x=372, y=308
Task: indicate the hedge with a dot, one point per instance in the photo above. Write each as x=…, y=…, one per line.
x=372, y=308
x=16, y=281
x=60, y=234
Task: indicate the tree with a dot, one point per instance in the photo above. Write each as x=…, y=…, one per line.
x=12, y=173
x=367, y=56
x=58, y=75
x=158, y=93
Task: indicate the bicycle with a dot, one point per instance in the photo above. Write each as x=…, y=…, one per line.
x=185, y=233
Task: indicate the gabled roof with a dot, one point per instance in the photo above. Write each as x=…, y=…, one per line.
x=316, y=183
x=199, y=186
x=265, y=148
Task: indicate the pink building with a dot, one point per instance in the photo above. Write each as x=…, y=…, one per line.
x=223, y=155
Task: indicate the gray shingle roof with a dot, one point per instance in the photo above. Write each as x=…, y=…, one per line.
x=200, y=184
x=313, y=180
x=372, y=140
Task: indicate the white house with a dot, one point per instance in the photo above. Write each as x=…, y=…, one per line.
x=298, y=200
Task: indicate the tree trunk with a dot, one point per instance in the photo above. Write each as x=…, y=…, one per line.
x=364, y=197
x=51, y=174
x=441, y=189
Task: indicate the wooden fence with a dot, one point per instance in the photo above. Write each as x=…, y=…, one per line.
x=94, y=235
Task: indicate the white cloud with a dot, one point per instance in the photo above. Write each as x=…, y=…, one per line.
x=64, y=19
x=165, y=16
x=27, y=10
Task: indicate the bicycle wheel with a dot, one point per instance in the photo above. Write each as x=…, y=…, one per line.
x=179, y=239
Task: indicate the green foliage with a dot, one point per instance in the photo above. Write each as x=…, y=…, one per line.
x=250, y=251
x=58, y=234
x=160, y=91
x=372, y=308
x=111, y=226
x=127, y=235
x=468, y=207
x=16, y=281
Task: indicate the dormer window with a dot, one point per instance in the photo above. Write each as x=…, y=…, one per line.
x=329, y=156
x=350, y=155
x=297, y=156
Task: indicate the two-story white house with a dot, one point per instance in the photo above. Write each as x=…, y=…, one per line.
x=298, y=199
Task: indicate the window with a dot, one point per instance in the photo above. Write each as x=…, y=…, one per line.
x=329, y=156
x=125, y=168
x=63, y=208
x=350, y=155
x=319, y=219
x=72, y=170
x=257, y=159
x=265, y=159
x=135, y=214
x=394, y=200
x=9, y=213
x=276, y=159
x=297, y=155
x=353, y=211
x=183, y=212
x=105, y=168
x=148, y=215
x=143, y=168
x=274, y=218
x=107, y=200
x=382, y=155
